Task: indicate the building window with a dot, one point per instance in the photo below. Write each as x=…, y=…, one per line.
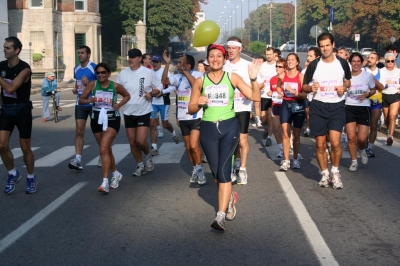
x=55, y=5
x=97, y=9
x=36, y=3
x=80, y=5
x=37, y=39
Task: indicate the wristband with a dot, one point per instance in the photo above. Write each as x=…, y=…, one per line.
x=254, y=79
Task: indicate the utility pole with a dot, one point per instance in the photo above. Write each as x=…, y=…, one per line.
x=270, y=22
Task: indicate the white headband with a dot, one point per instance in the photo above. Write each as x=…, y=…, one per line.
x=234, y=43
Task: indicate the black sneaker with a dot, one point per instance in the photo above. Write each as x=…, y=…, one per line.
x=265, y=134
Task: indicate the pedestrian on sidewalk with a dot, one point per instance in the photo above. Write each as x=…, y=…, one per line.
x=49, y=84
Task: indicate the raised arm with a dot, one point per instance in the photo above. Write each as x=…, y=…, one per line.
x=167, y=59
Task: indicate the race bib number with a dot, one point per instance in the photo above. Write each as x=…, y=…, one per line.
x=275, y=98
x=183, y=102
x=392, y=83
x=267, y=88
x=355, y=91
x=293, y=86
x=218, y=95
x=103, y=99
x=328, y=89
x=10, y=95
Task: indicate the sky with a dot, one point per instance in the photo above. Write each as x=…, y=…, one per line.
x=214, y=9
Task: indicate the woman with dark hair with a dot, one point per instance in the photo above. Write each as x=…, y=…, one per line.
x=200, y=66
x=219, y=128
x=292, y=110
x=280, y=67
x=105, y=119
x=357, y=110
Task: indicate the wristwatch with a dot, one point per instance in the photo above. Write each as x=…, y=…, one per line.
x=254, y=79
x=152, y=94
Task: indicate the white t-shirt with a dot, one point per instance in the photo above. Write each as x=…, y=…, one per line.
x=136, y=82
x=241, y=103
x=184, y=90
x=390, y=80
x=359, y=85
x=329, y=75
x=160, y=100
x=310, y=95
x=267, y=71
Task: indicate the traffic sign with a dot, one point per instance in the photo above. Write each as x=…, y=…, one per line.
x=315, y=31
x=392, y=39
x=357, y=37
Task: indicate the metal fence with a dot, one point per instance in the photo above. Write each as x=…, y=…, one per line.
x=126, y=44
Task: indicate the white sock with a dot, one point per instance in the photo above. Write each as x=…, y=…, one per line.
x=105, y=180
x=269, y=137
x=221, y=213
x=197, y=167
x=115, y=173
x=12, y=172
x=173, y=134
x=370, y=145
x=243, y=168
x=354, y=161
x=31, y=175
x=325, y=172
x=78, y=157
x=154, y=145
x=335, y=169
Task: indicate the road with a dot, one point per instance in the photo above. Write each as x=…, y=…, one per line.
x=161, y=219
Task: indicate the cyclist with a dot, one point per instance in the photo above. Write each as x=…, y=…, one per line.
x=49, y=84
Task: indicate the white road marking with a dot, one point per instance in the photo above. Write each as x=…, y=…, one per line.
x=273, y=150
x=120, y=151
x=317, y=242
x=57, y=156
x=170, y=153
x=17, y=152
x=394, y=149
x=37, y=218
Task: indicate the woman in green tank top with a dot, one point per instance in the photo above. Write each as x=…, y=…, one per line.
x=219, y=129
x=104, y=102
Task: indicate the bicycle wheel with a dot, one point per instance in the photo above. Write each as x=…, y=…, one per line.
x=55, y=111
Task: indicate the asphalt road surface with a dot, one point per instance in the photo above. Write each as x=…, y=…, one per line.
x=161, y=219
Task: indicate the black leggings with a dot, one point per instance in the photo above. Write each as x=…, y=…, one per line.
x=219, y=141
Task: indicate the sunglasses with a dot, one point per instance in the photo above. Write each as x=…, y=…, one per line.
x=101, y=72
x=156, y=62
x=389, y=61
x=279, y=66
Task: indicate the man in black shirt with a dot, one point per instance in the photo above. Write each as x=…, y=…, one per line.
x=15, y=82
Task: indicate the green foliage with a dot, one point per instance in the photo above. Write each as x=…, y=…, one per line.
x=258, y=47
x=37, y=57
x=111, y=59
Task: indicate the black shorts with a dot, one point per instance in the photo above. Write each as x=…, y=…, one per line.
x=292, y=111
x=244, y=120
x=326, y=116
x=134, y=121
x=388, y=99
x=306, y=103
x=266, y=103
x=114, y=121
x=82, y=112
x=276, y=110
x=358, y=114
x=189, y=125
x=23, y=121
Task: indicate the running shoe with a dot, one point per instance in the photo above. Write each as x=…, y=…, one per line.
x=242, y=177
x=193, y=178
x=148, y=162
x=285, y=165
x=280, y=154
x=233, y=177
x=324, y=182
x=370, y=153
x=389, y=141
x=296, y=164
x=153, y=152
x=258, y=121
x=31, y=185
x=140, y=170
x=219, y=223
x=364, y=157
x=204, y=159
x=336, y=181
x=115, y=180
x=231, y=212
x=104, y=187
x=353, y=167
x=75, y=164
x=99, y=163
x=253, y=121
x=176, y=139
x=265, y=134
x=328, y=156
x=12, y=180
x=268, y=142
x=160, y=133
x=201, y=178
x=306, y=133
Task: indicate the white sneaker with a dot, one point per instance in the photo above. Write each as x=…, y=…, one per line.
x=100, y=163
x=160, y=133
x=336, y=181
x=353, y=167
x=233, y=177
x=258, y=121
x=104, y=187
x=364, y=157
x=153, y=152
x=201, y=178
x=115, y=180
x=242, y=180
x=296, y=164
x=280, y=154
x=149, y=163
x=140, y=170
x=193, y=178
x=324, y=182
x=285, y=165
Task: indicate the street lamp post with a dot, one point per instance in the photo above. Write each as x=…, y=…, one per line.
x=295, y=26
x=270, y=22
x=231, y=15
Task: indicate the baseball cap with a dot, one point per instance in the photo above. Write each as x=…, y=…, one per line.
x=206, y=63
x=50, y=74
x=132, y=53
x=156, y=58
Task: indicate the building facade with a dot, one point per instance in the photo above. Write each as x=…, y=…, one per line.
x=3, y=24
x=51, y=32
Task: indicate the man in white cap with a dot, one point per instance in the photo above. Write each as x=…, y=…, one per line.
x=49, y=84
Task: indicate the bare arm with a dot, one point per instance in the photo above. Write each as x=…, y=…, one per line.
x=84, y=97
x=196, y=100
x=16, y=83
x=123, y=92
x=253, y=92
x=164, y=78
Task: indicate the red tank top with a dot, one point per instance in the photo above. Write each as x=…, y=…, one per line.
x=294, y=84
x=273, y=84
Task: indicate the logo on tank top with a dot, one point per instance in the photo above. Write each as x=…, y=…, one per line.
x=3, y=74
x=141, y=87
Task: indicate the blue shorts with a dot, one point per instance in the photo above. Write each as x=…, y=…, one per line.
x=162, y=109
x=376, y=106
x=293, y=111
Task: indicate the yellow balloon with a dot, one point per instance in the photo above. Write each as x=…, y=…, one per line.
x=206, y=32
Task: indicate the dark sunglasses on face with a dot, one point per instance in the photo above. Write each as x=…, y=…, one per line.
x=156, y=62
x=389, y=61
x=278, y=66
x=101, y=72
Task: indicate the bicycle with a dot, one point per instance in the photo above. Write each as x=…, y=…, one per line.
x=55, y=110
